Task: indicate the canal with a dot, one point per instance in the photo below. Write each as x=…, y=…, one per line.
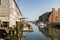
x=48, y=33
x=36, y=35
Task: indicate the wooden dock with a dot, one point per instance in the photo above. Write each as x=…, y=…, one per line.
x=17, y=32
x=12, y=33
x=27, y=28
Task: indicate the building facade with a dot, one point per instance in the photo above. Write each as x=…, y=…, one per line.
x=51, y=17
x=44, y=17
x=9, y=13
x=55, y=16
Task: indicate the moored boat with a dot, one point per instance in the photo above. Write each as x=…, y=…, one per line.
x=42, y=25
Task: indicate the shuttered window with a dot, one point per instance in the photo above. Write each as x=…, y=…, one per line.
x=0, y=2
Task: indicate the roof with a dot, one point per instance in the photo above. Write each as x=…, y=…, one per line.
x=18, y=7
x=44, y=17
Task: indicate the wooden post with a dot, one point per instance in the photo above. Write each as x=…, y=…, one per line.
x=19, y=30
x=10, y=34
x=0, y=23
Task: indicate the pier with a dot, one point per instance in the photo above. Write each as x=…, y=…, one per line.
x=27, y=27
x=17, y=32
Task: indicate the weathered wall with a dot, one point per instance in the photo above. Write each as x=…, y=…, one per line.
x=9, y=11
x=4, y=10
x=14, y=13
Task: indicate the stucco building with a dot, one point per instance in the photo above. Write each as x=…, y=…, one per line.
x=9, y=13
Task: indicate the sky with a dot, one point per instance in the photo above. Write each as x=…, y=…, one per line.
x=32, y=9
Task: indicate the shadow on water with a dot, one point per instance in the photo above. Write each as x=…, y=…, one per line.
x=51, y=32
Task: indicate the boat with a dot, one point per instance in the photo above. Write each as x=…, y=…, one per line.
x=42, y=25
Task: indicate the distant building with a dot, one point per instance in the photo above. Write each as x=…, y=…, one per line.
x=9, y=13
x=51, y=17
x=44, y=17
x=55, y=16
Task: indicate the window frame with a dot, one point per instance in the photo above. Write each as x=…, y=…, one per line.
x=56, y=13
x=5, y=24
x=0, y=2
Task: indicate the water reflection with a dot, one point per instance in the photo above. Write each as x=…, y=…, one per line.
x=36, y=35
x=53, y=33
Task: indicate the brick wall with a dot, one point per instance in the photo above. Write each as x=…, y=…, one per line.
x=59, y=15
x=53, y=18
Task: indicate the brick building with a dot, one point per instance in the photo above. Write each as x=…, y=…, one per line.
x=51, y=17
x=55, y=16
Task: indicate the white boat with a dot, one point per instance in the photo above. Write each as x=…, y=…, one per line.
x=42, y=25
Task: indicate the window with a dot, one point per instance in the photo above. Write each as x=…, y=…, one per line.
x=56, y=13
x=5, y=24
x=0, y=2
x=56, y=16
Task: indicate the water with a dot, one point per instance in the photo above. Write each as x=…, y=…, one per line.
x=51, y=32
x=36, y=35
